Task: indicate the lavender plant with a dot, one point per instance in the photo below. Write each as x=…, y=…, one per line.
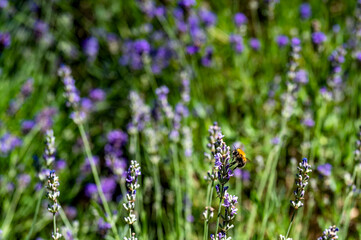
x=132, y=186
x=329, y=233
x=301, y=183
x=52, y=195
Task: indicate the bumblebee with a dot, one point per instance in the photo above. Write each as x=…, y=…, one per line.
x=239, y=158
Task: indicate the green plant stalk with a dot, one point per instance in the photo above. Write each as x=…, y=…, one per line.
x=54, y=224
x=97, y=180
x=289, y=226
x=65, y=220
x=209, y=199
x=188, y=210
x=10, y=214
x=219, y=209
x=272, y=159
x=178, y=191
x=158, y=199
x=36, y=214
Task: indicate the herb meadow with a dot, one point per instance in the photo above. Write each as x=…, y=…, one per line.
x=184, y=119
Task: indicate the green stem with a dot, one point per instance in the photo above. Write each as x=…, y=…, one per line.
x=97, y=180
x=54, y=224
x=219, y=209
x=289, y=227
x=10, y=214
x=158, y=199
x=36, y=214
x=178, y=191
x=209, y=200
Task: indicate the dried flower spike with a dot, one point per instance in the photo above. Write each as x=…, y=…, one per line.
x=301, y=182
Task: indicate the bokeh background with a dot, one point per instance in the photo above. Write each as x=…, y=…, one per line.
x=225, y=61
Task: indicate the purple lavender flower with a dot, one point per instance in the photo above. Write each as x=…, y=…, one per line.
x=103, y=227
x=282, y=41
x=141, y=46
x=305, y=11
x=254, y=44
x=40, y=28
x=242, y=174
x=318, y=38
x=132, y=186
x=91, y=47
x=27, y=126
x=27, y=88
x=237, y=42
x=275, y=140
x=114, y=155
x=71, y=212
x=162, y=95
x=308, y=122
x=240, y=19
x=60, y=164
x=140, y=113
x=207, y=58
x=108, y=186
x=192, y=49
x=301, y=77
x=336, y=28
x=86, y=168
x=207, y=17
x=90, y=190
x=325, y=169
x=7, y=143
x=301, y=182
x=49, y=153
x=24, y=180
x=97, y=95
x=330, y=233
x=5, y=40
x=3, y=4
x=186, y=3
x=86, y=105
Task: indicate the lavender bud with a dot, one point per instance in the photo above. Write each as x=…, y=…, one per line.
x=301, y=182
x=330, y=233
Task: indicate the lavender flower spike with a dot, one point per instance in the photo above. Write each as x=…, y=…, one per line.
x=49, y=153
x=52, y=195
x=301, y=182
x=330, y=233
x=132, y=185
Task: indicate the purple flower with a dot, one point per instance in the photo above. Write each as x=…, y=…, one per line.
x=40, y=28
x=237, y=42
x=141, y=46
x=24, y=180
x=336, y=28
x=325, y=169
x=45, y=118
x=254, y=44
x=108, y=186
x=103, y=227
x=318, y=38
x=308, y=122
x=207, y=58
x=295, y=42
x=60, y=164
x=86, y=168
x=97, y=95
x=4, y=4
x=243, y=174
x=90, y=190
x=8, y=142
x=71, y=212
x=275, y=140
x=192, y=49
x=301, y=77
x=282, y=41
x=186, y=3
x=240, y=19
x=207, y=17
x=91, y=47
x=27, y=126
x=5, y=40
x=86, y=104
x=305, y=10
x=27, y=88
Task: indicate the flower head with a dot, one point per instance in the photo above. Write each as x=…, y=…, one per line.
x=301, y=182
